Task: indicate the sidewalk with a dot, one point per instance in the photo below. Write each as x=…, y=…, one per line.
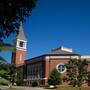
x=23, y=88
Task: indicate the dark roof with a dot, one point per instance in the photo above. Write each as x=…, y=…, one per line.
x=68, y=54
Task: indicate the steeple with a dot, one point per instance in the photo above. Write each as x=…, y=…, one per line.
x=19, y=55
x=21, y=35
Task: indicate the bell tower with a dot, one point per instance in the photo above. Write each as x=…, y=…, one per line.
x=19, y=55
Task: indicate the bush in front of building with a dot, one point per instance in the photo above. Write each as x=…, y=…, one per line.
x=54, y=78
x=34, y=84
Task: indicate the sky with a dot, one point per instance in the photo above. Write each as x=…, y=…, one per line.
x=54, y=23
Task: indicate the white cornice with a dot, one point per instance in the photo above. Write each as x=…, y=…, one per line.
x=21, y=49
x=21, y=40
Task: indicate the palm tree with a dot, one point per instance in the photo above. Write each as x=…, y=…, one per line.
x=2, y=60
x=7, y=71
x=11, y=72
x=6, y=47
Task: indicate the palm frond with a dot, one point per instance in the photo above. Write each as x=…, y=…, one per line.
x=2, y=60
x=6, y=47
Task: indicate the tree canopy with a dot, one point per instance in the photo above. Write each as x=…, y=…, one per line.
x=12, y=12
x=7, y=72
x=77, y=72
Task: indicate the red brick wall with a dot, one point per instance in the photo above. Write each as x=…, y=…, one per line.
x=16, y=58
x=50, y=65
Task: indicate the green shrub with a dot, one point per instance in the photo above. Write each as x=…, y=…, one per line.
x=54, y=78
x=4, y=81
x=35, y=83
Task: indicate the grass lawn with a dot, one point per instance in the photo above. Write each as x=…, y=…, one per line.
x=72, y=88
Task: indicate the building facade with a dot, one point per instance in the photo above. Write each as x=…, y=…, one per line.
x=39, y=68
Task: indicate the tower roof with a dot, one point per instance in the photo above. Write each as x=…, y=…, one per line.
x=21, y=35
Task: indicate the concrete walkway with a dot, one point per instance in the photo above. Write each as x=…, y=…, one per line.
x=23, y=88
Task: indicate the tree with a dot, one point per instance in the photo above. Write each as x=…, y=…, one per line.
x=4, y=81
x=12, y=12
x=5, y=47
x=2, y=60
x=3, y=74
x=54, y=78
x=4, y=66
x=88, y=78
x=18, y=79
x=8, y=71
x=76, y=72
x=11, y=72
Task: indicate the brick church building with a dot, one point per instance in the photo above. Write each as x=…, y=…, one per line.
x=40, y=67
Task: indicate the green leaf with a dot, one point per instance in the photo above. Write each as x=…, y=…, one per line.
x=6, y=47
x=2, y=60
